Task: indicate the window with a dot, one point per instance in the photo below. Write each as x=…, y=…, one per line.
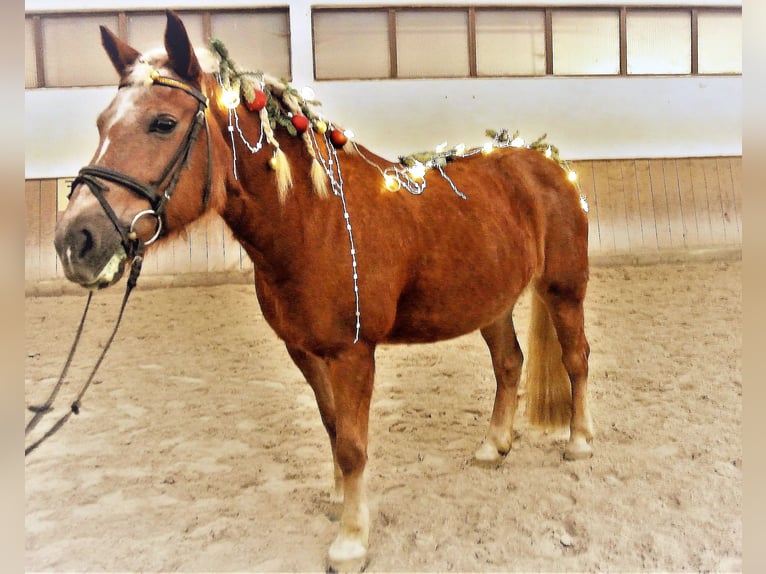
x=719, y=42
x=64, y=50
x=659, y=41
x=479, y=41
x=257, y=41
x=351, y=45
x=510, y=42
x=71, y=50
x=147, y=30
x=432, y=43
x=586, y=42
x=30, y=54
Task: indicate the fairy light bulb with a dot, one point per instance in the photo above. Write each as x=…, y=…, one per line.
x=548, y=152
x=417, y=171
x=391, y=182
x=488, y=147
x=460, y=148
x=229, y=98
x=572, y=175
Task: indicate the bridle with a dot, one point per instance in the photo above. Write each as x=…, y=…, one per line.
x=94, y=175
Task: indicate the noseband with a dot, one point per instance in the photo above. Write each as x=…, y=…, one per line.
x=94, y=175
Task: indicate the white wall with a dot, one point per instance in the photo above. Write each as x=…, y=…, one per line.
x=587, y=118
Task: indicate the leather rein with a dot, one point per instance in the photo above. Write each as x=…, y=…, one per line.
x=94, y=176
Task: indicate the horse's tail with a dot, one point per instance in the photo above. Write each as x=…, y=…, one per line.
x=548, y=389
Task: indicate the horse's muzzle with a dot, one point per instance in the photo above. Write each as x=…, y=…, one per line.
x=91, y=252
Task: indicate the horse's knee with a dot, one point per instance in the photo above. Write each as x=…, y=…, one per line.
x=350, y=454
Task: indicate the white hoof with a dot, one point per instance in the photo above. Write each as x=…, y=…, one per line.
x=578, y=448
x=487, y=453
x=347, y=555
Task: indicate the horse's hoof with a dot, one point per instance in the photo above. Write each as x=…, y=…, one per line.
x=578, y=449
x=487, y=454
x=347, y=555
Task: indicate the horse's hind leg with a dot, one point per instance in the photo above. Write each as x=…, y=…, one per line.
x=566, y=307
x=507, y=360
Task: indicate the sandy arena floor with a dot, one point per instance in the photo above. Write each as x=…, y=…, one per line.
x=200, y=448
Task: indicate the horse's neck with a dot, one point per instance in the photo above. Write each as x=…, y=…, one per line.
x=263, y=224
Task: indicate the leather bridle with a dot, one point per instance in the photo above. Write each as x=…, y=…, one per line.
x=94, y=175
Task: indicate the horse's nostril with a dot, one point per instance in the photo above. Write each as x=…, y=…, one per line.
x=87, y=243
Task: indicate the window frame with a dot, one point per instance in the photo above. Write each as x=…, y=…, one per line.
x=472, y=10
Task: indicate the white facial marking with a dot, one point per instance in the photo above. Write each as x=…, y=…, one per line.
x=103, y=149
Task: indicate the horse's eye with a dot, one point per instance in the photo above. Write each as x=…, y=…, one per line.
x=163, y=125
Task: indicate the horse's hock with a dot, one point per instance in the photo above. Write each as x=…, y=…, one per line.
x=640, y=210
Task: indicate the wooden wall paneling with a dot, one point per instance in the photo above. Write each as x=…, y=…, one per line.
x=715, y=201
x=632, y=206
x=720, y=174
x=660, y=202
x=198, y=248
x=645, y=203
x=605, y=205
x=161, y=256
x=701, y=202
x=584, y=171
x=181, y=253
x=620, y=214
x=232, y=251
x=736, y=181
x=673, y=201
x=32, y=230
x=215, y=247
x=688, y=204
x=48, y=215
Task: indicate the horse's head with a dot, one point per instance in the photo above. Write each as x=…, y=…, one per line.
x=154, y=142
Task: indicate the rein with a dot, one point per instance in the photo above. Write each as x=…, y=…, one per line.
x=93, y=176
x=41, y=410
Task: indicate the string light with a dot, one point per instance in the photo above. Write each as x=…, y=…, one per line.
x=572, y=176
x=391, y=182
x=488, y=147
x=230, y=98
x=417, y=171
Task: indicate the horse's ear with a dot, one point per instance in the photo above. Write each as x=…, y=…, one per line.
x=180, y=52
x=121, y=55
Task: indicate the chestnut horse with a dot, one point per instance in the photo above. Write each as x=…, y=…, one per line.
x=338, y=273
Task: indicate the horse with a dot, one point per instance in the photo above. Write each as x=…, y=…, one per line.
x=350, y=250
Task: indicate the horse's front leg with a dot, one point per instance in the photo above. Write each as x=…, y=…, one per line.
x=316, y=372
x=351, y=373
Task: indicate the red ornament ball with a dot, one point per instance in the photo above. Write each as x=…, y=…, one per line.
x=338, y=138
x=258, y=103
x=300, y=122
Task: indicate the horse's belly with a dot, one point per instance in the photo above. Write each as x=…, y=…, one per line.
x=453, y=310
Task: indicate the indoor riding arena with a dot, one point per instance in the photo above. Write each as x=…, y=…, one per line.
x=199, y=446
